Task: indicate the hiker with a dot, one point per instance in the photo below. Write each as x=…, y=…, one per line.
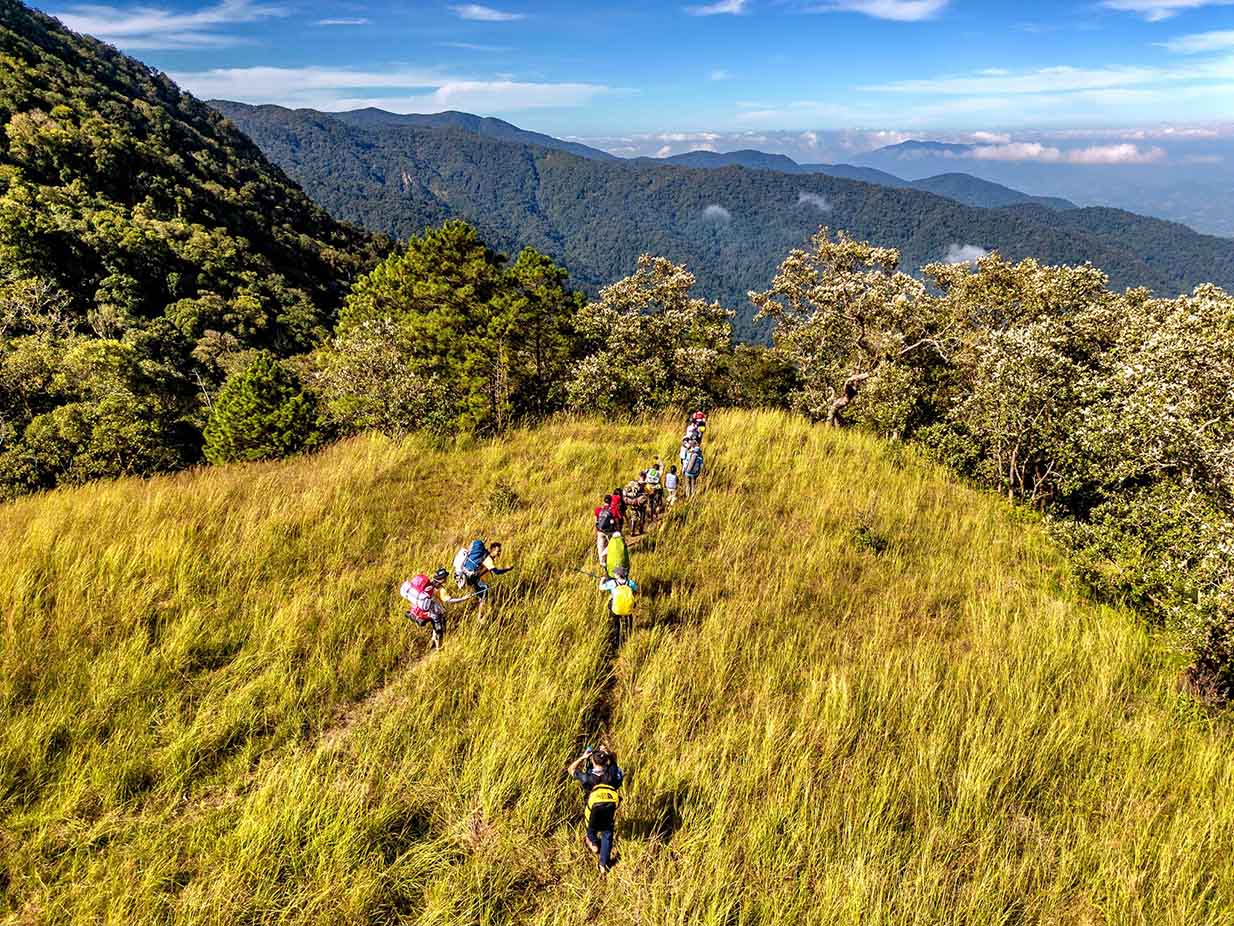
x=652, y=486
x=600, y=777
x=670, y=487
x=606, y=524
x=428, y=599
x=692, y=468
x=617, y=554
x=621, y=589
x=635, y=501
x=618, y=507
x=475, y=563
x=693, y=432
x=699, y=419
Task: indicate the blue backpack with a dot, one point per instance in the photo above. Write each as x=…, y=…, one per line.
x=475, y=558
x=694, y=463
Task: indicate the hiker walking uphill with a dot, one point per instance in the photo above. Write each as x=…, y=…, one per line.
x=692, y=468
x=472, y=565
x=600, y=777
x=607, y=524
x=621, y=589
x=654, y=489
x=428, y=599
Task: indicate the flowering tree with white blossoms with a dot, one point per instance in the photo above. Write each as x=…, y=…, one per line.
x=845, y=314
x=651, y=344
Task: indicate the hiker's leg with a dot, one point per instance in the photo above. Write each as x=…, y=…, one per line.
x=606, y=848
x=592, y=838
x=601, y=545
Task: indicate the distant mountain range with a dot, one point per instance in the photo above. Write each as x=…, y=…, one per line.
x=1194, y=186
x=730, y=224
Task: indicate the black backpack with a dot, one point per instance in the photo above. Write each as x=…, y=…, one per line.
x=606, y=522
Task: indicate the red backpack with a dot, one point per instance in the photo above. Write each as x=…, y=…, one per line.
x=418, y=596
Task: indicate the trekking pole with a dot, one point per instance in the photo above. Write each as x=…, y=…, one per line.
x=591, y=575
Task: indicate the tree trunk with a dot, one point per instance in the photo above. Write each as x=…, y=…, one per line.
x=835, y=417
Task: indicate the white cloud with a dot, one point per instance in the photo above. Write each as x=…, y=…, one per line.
x=1043, y=80
x=153, y=28
x=964, y=254
x=1049, y=154
x=358, y=21
x=896, y=10
x=990, y=138
x=816, y=200
x=1201, y=42
x=1158, y=10
x=809, y=139
x=472, y=46
x=333, y=89
x=714, y=213
x=485, y=14
x=1017, y=151
x=719, y=74
x=664, y=151
x=719, y=8
x=1115, y=154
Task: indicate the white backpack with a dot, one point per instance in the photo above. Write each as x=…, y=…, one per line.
x=460, y=568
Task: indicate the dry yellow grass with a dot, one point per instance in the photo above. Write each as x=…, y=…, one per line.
x=214, y=712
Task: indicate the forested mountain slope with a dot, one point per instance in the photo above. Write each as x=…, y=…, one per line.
x=730, y=225
x=890, y=706
x=144, y=242
x=487, y=126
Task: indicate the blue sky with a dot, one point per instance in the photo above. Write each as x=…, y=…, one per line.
x=640, y=71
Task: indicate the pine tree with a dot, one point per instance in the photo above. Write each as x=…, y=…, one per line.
x=260, y=413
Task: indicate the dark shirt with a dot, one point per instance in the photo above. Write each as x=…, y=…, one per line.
x=588, y=778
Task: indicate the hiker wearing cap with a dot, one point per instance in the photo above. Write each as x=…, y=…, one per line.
x=600, y=777
x=473, y=564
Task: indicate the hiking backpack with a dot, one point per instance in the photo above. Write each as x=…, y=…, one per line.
x=415, y=591
x=694, y=463
x=623, y=600
x=606, y=521
x=459, y=566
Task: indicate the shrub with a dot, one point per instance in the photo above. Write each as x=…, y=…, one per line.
x=260, y=413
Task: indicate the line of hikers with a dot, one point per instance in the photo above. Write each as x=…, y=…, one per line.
x=631, y=508
x=635, y=507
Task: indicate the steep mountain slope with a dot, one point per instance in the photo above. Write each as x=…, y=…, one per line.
x=241, y=727
x=486, y=126
x=146, y=247
x=597, y=217
x=111, y=174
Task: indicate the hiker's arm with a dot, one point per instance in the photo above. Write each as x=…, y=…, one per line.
x=501, y=572
x=572, y=768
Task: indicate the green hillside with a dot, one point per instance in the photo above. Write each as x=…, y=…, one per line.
x=857, y=692
x=597, y=217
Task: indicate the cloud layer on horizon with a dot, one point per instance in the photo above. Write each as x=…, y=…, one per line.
x=337, y=89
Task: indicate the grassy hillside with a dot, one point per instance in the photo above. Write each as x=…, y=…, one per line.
x=857, y=693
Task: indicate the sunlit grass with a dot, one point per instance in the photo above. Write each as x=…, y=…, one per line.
x=858, y=693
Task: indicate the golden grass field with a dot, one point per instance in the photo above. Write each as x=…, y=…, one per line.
x=214, y=711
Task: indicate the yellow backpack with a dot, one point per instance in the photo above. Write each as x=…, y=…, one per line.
x=603, y=794
x=623, y=600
